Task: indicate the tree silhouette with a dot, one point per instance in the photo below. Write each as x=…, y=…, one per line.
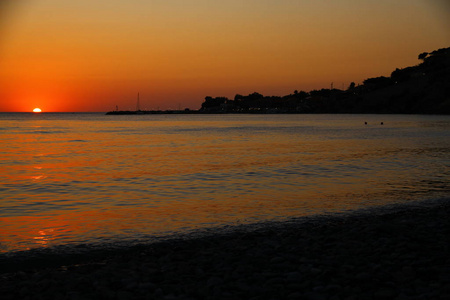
x=423, y=55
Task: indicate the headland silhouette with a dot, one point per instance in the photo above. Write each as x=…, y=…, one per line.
x=420, y=89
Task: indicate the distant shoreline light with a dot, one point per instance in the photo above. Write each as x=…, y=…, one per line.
x=37, y=110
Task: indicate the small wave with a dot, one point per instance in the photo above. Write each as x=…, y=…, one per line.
x=46, y=132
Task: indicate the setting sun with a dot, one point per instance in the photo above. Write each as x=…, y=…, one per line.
x=37, y=110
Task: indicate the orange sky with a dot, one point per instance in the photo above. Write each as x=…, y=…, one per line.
x=93, y=55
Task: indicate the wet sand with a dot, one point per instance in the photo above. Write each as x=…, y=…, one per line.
x=400, y=252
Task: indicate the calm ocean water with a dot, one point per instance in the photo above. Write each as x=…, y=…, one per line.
x=69, y=179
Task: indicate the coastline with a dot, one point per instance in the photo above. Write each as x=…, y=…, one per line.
x=397, y=252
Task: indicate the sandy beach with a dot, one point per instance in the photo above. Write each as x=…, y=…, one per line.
x=400, y=252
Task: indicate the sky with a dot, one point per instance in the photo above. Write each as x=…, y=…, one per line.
x=91, y=55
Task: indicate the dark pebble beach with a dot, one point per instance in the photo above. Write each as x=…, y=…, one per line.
x=401, y=252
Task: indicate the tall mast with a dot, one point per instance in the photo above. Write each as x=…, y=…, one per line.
x=137, y=104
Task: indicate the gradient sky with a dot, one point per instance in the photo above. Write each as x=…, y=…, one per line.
x=91, y=55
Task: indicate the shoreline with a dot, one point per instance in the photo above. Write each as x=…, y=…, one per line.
x=196, y=112
x=393, y=252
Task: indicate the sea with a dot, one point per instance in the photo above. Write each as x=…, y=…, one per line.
x=79, y=180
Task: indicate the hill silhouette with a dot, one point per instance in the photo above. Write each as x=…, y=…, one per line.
x=420, y=89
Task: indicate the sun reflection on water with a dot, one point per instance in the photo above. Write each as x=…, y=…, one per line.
x=38, y=177
x=44, y=238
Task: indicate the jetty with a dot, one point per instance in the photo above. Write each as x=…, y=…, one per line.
x=138, y=111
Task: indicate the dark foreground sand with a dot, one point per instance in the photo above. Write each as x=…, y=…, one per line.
x=396, y=253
